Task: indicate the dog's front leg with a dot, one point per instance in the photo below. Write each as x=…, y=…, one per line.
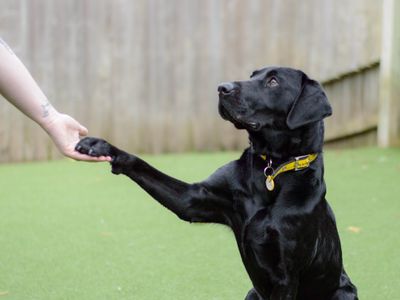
x=191, y=202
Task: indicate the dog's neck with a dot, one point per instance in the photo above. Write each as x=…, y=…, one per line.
x=282, y=145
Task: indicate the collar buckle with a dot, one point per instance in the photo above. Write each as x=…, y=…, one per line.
x=301, y=162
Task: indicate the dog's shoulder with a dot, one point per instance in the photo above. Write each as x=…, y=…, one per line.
x=229, y=175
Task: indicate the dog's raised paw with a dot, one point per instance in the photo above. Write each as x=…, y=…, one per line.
x=94, y=147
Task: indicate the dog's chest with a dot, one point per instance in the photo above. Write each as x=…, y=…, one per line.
x=258, y=237
x=260, y=250
x=259, y=230
x=254, y=210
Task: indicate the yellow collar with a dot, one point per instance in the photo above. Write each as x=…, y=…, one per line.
x=296, y=164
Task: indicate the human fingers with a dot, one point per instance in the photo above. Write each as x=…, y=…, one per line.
x=84, y=157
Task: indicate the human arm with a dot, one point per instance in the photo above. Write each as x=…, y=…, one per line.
x=20, y=89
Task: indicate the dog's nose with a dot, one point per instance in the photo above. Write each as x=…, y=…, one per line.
x=226, y=87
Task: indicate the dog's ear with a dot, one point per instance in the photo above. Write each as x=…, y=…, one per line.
x=311, y=105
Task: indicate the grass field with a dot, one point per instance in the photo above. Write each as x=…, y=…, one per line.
x=73, y=231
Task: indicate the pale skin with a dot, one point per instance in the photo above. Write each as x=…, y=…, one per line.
x=20, y=89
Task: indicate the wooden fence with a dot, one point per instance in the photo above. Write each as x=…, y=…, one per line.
x=144, y=73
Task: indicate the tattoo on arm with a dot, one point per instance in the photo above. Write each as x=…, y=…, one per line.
x=45, y=109
x=4, y=44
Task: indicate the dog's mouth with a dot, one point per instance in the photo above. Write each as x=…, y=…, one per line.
x=237, y=119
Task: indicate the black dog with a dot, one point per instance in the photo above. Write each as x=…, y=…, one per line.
x=272, y=197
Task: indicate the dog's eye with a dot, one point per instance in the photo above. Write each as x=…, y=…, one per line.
x=272, y=82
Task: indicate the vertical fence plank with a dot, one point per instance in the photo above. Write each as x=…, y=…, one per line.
x=389, y=115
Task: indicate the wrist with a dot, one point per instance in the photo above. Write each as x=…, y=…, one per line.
x=48, y=117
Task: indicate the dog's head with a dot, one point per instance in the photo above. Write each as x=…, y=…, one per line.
x=277, y=104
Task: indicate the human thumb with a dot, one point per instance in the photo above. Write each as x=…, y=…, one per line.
x=83, y=131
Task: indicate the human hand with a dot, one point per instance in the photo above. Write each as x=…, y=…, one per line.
x=66, y=133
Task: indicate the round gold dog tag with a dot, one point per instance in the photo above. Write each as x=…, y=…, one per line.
x=269, y=183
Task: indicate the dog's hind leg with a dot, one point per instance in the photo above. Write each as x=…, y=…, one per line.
x=252, y=295
x=346, y=290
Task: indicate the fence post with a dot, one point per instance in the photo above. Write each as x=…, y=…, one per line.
x=389, y=88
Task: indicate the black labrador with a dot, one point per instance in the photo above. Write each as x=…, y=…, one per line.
x=272, y=197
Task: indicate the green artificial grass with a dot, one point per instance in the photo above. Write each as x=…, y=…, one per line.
x=72, y=230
